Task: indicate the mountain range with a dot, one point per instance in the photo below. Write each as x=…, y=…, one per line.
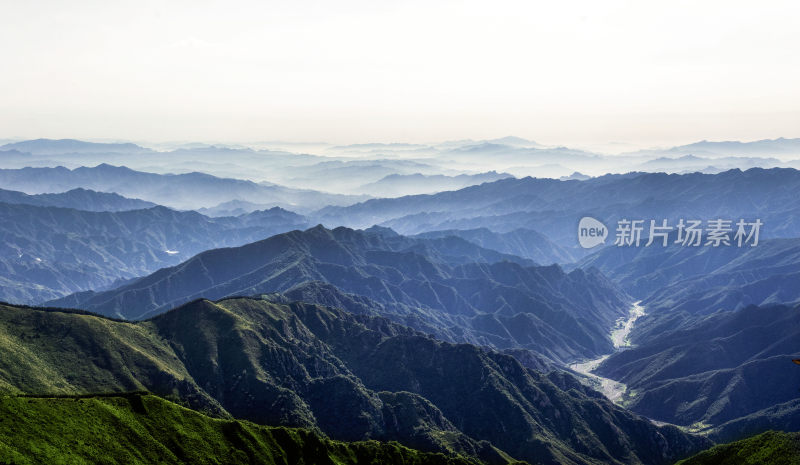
x=180, y=191
x=726, y=366
x=48, y=252
x=345, y=169
x=525, y=243
x=713, y=351
x=79, y=198
x=139, y=429
x=397, y=185
x=447, y=286
x=768, y=147
x=554, y=207
x=351, y=377
x=441, y=327
x=665, y=275
x=72, y=146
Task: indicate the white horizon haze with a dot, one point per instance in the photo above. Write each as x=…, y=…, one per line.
x=576, y=73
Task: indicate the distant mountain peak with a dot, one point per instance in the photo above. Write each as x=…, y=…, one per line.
x=383, y=231
x=65, y=146
x=577, y=175
x=514, y=140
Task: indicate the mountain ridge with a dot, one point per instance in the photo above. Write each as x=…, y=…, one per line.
x=315, y=367
x=181, y=191
x=49, y=252
x=457, y=290
x=78, y=198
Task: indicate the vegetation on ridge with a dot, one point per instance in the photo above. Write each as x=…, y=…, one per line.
x=141, y=429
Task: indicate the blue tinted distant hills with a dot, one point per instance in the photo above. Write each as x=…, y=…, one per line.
x=71, y=146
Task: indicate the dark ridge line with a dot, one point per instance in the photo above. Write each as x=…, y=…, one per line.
x=89, y=395
x=69, y=311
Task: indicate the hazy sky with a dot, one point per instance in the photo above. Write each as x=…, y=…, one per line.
x=567, y=72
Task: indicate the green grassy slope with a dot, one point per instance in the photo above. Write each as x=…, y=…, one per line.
x=145, y=429
x=351, y=377
x=769, y=448
x=229, y=360
x=62, y=352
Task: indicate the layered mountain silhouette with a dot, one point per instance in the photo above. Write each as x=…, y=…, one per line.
x=396, y=185
x=72, y=146
x=49, y=252
x=713, y=351
x=81, y=199
x=351, y=377
x=183, y=191
x=760, y=275
x=681, y=285
x=553, y=207
x=769, y=147
x=681, y=272
x=441, y=329
x=447, y=286
x=525, y=243
x=691, y=163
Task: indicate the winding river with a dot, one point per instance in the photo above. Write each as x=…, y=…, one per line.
x=619, y=336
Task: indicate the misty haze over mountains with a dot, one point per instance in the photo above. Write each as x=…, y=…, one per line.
x=430, y=294
x=401, y=233
x=389, y=170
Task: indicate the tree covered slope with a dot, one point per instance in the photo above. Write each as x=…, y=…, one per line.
x=348, y=376
x=771, y=447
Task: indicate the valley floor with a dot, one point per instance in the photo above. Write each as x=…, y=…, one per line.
x=613, y=390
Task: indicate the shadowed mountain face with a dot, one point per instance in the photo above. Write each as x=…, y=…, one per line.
x=764, y=275
x=721, y=368
x=669, y=274
x=352, y=377
x=705, y=355
x=713, y=352
x=780, y=417
x=525, y=243
x=49, y=252
x=554, y=207
x=447, y=286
